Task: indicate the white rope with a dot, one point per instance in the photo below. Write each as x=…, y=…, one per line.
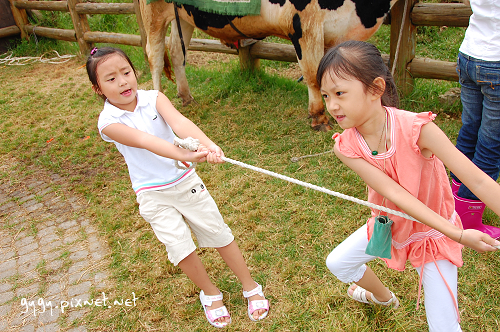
x=323, y=190
x=188, y=144
x=8, y=59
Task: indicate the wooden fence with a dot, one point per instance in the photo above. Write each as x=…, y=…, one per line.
x=405, y=16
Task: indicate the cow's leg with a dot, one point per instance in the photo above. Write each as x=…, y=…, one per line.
x=309, y=46
x=155, y=26
x=178, y=58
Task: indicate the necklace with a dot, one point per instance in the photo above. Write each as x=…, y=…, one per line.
x=375, y=152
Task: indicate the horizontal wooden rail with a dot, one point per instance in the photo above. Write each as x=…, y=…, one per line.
x=81, y=8
x=61, y=34
x=440, y=14
x=111, y=37
x=418, y=67
x=433, y=69
x=61, y=6
x=208, y=45
x=9, y=31
x=104, y=8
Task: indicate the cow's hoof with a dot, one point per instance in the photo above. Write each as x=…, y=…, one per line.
x=186, y=100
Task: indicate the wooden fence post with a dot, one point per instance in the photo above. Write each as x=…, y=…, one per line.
x=403, y=44
x=81, y=26
x=247, y=61
x=20, y=17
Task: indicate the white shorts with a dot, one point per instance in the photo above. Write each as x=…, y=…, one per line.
x=171, y=210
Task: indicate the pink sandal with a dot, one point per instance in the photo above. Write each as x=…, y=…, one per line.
x=214, y=314
x=256, y=304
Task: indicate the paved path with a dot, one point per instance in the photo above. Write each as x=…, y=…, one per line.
x=51, y=255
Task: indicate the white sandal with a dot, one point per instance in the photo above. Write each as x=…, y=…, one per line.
x=214, y=314
x=359, y=294
x=256, y=304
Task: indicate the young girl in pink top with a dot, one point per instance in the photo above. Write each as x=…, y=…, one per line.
x=400, y=156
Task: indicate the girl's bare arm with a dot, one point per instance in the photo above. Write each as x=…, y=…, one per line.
x=138, y=139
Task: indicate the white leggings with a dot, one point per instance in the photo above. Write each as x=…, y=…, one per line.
x=347, y=263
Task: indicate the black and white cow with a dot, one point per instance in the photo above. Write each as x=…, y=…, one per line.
x=311, y=25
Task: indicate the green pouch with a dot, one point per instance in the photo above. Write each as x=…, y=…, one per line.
x=380, y=242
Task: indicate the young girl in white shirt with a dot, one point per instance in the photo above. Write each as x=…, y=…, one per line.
x=142, y=125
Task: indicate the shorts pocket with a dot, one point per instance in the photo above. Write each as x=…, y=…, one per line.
x=147, y=205
x=197, y=192
x=489, y=78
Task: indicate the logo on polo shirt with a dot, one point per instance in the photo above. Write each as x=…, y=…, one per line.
x=156, y=116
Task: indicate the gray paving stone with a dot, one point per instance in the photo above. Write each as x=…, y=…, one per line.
x=48, y=248
x=54, y=327
x=8, y=273
x=27, y=328
x=30, y=257
x=49, y=316
x=74, y=315
x=68, y=224
x=6, y=296
x=23, y=241
x=8, y=269
x=47, y=231
x=4, y=311
x=70, y=238
x=34, y=207
x=54, y=289
x=48, y=239
x=25, y=198
x=28, y=292
x=78, y=290
x=28, y=267
x=27, y=248
x=7, y=206
x=78, y=255
x=4, y=256
x=54, y=265
x=5, y=287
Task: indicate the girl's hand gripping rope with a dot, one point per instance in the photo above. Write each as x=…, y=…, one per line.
x=478, y=241
x=212, y=153
x=193, y=145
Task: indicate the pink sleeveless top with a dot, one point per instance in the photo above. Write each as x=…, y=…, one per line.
x=424, y=178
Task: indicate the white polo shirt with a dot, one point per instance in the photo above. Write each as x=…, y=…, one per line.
x=147, y=170
x=482, y=38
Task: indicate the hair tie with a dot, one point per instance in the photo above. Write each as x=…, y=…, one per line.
x=93, y=51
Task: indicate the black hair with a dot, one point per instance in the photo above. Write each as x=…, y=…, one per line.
x=97, y=55
x=361, y=61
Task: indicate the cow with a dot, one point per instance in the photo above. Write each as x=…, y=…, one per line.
x=311, y=25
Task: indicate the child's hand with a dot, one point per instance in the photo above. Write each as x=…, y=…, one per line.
x=479, y=241
x=214, y=157
x=200, y=156
x=202, y=147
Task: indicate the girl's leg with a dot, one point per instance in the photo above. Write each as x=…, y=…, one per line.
x=194, y=269
x=231, y=254
x=439, y=305
x=348, y=263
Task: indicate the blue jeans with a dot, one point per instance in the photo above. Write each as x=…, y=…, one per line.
x=479, y=137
